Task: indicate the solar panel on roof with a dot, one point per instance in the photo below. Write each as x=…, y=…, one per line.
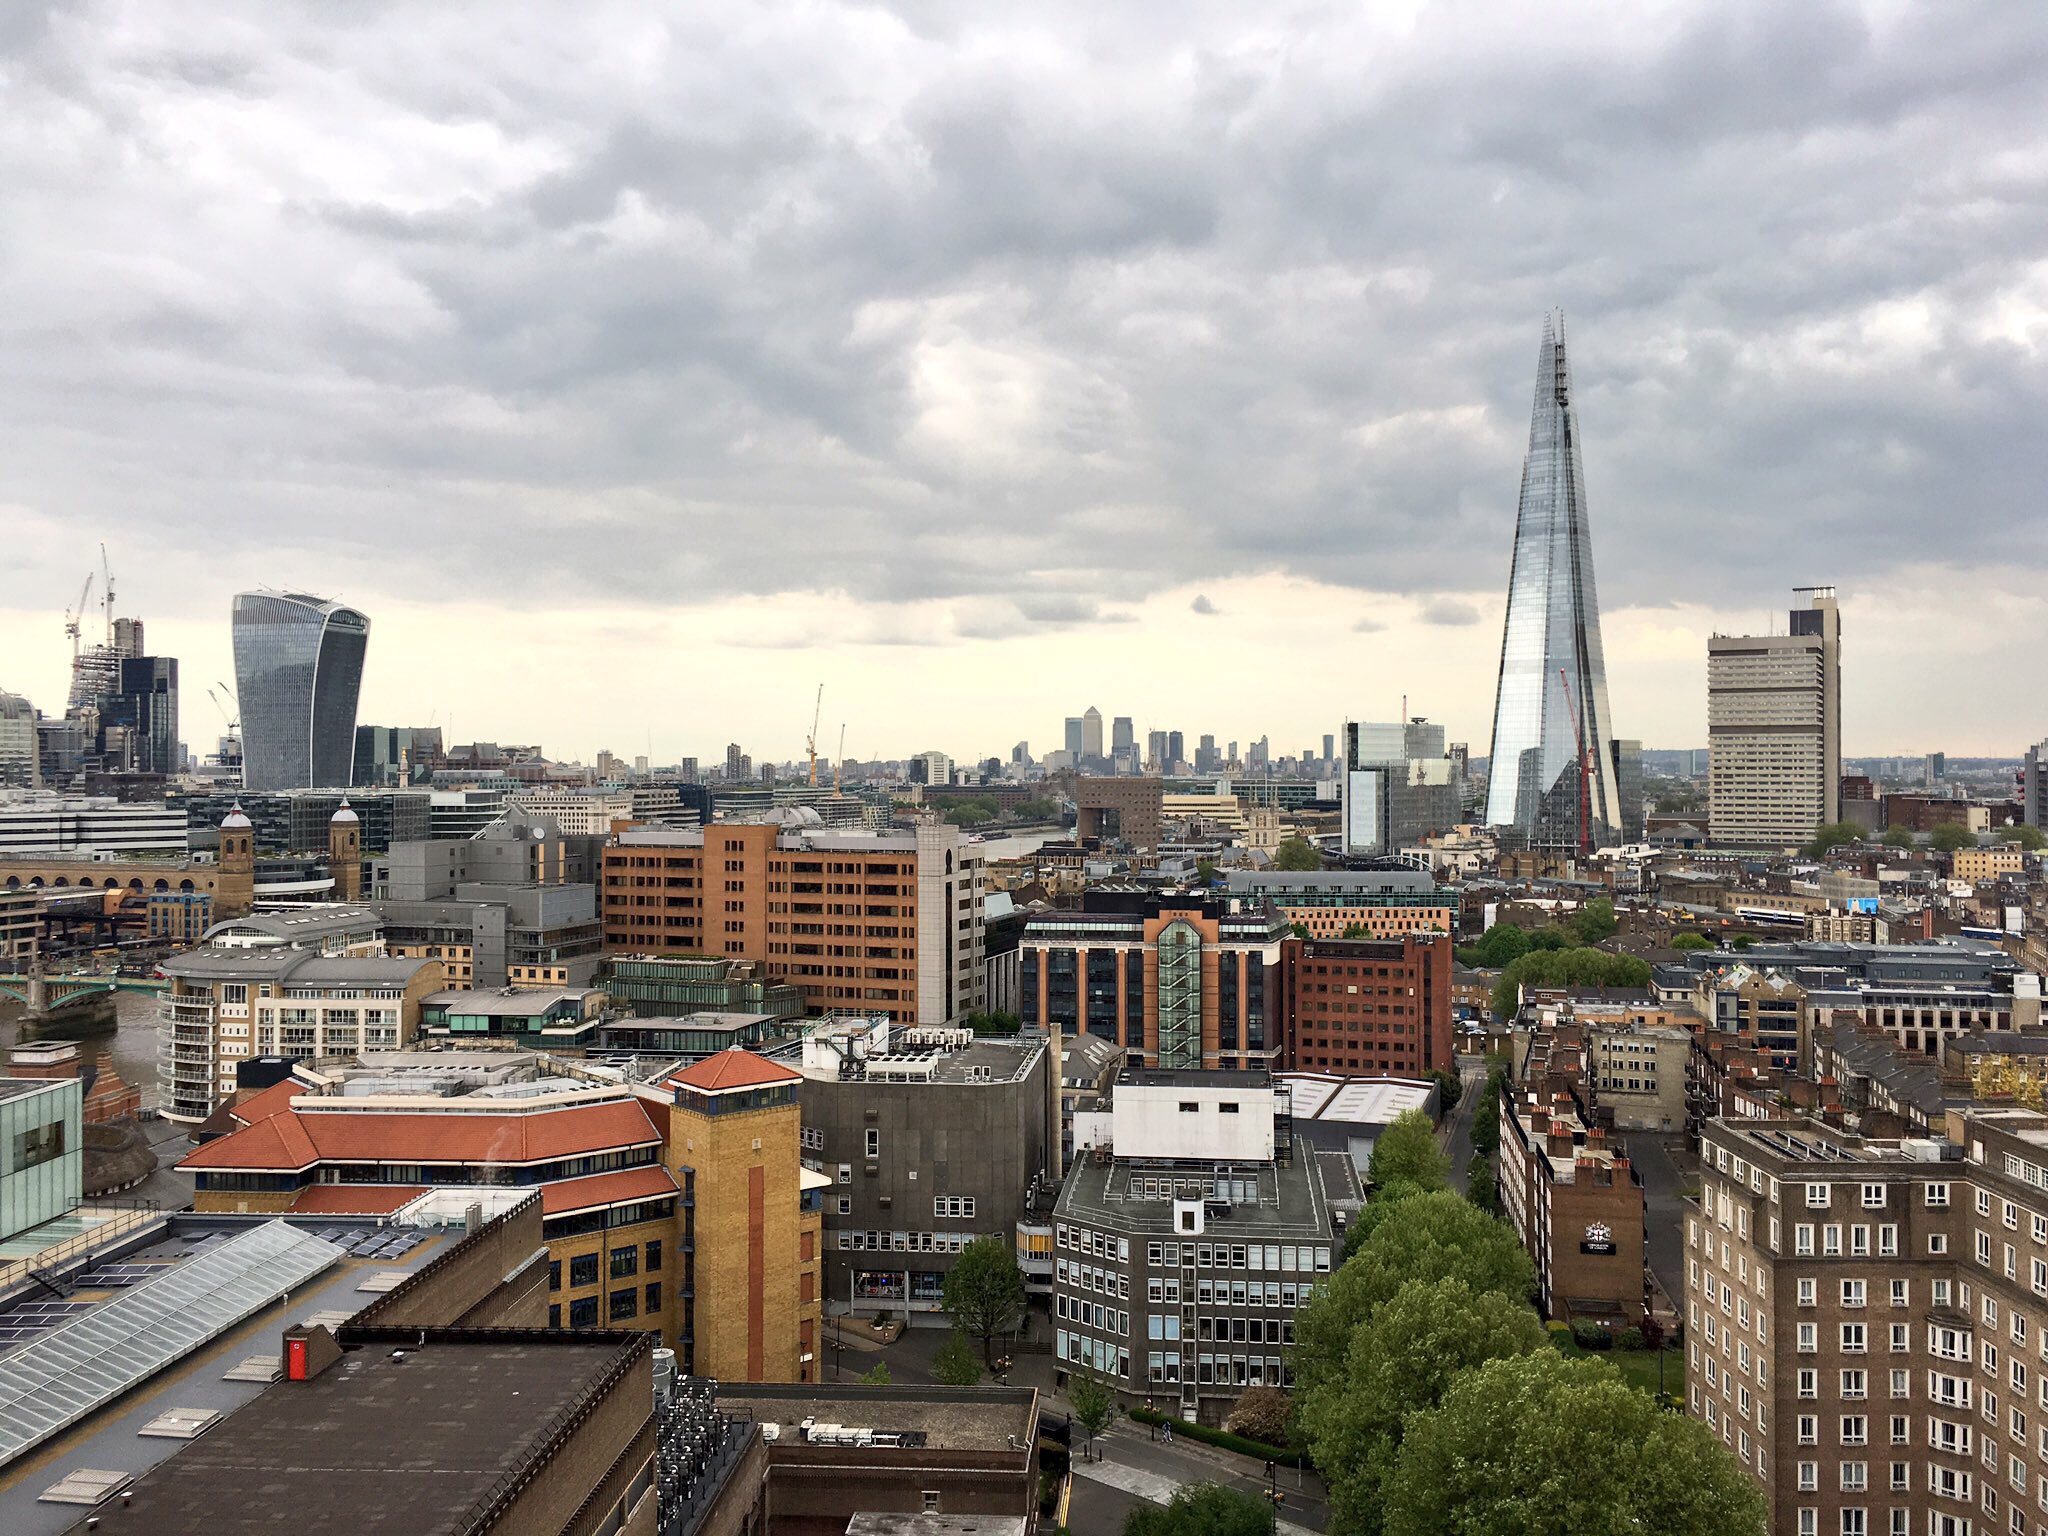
x=88, y=1361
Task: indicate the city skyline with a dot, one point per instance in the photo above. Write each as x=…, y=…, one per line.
x=538, y=366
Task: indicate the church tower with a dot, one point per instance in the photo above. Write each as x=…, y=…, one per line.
x=345, y=853
x=234, y=888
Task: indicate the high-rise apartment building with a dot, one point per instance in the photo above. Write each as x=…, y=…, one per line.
x=2034, y=786
x=298, y=671
x=862, y=922
x=1552, y=754
x=1774, y=721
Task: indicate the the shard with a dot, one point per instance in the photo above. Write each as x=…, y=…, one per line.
x=1556, y=766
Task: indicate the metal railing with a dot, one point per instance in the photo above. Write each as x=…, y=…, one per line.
x=132, y=1215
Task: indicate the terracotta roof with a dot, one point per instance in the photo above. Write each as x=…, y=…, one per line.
x=733, y=1068
x=274, y=1100
x=566, y=1195
x=298, y=1138
x=355, y=1199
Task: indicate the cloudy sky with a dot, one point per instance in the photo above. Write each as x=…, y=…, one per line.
x=636, y=373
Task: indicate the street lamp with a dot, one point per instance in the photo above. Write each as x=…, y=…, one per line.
x=1273, y=1493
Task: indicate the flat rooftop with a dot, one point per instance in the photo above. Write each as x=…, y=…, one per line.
x=950, y=1418
x=1354, y=1100
x=110, y=1439
x=385, y=1439
x=1136, y=1195
x=1193, y=1077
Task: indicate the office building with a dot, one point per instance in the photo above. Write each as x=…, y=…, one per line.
x=1207, y=758
x=42, y=1151
x=1577, y=1207
x=1118, y=810
x=861, y=922
x=2034, y=786
x=396, y=754
x=41, y=824
x=298, y=670
x=1123, y=738
x=491, y=937
x=1071, y=739
x=1358, y=1006
x=1156, y=760
x=1774, y=720
x=1177, y=980
x=1181, y=1256
x=20, y=746
x=666, y=986
x=577, y=812
x=143, y=709
x=1398, y=786
x=1551, y=759
x=931, y=1138
x=514, y=849
x=1330, y=903
x=931, y=768
x=1091, y=735
x=296, y=821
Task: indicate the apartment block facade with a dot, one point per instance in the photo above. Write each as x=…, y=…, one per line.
x=1867, y=1322
x=860, y=922
x=1367, y=1005
x=1333, y=902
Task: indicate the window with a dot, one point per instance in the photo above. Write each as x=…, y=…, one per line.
x=654, y=1257
x=873, y=1139
x=1852, y=1293
x=1937, y=1196
x=1852, y=1338
x=583, y=1314
x=1817, y=1197
x=1873, y=1197
x=583, y=1271
x=1808, y=1291
x=625, y=1263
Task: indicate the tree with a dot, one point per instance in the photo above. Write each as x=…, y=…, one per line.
x=1377, y=1209
x=1537, y=1443
x=1900, y=837
x=1834, y=834
x=1482, y=1188
x=1692, y=941
x=1742, y=941
x=970, y=813
x=1037, y=810
x=1486, y=1114
x=954, y=1365
x=1299, y=930
x=1950, y=838
x=1427, y=1237
x=1400, y=1362
x=1551, y=936
x=2030, y=838
x=1582, y=967
x=1450, y=1088
x=1595, y=921
x=1357, y=931
x=1407, y=1152
x=1500, y=944
x=1094, y=1404
x=1297, y=854
x=984, y=1292
x=1205, y=871
x=1205, y=1509
x=876, y=1375
x=1260, y=1413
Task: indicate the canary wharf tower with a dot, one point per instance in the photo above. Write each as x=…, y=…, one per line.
x=1556, y=766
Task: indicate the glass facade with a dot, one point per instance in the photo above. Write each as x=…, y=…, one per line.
x=1551, y=664
x=42, y=1152
x=298, y=670
x=1180, y=995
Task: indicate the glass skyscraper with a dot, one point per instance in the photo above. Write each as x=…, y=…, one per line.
x=1551, y=665
x=298, y=669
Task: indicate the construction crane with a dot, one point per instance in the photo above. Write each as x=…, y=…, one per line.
x=811, y=741
x=73, y=615
x=1585, y=770
x=839, y=762
x=107, y=590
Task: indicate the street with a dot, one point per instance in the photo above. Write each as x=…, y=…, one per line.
x=1458, y=1128
x=1668, y=1168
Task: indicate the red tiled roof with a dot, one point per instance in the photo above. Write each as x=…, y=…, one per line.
x=733, y=1068
x=355, y=1199
x=566, y=1195
x=298, y=1138
x=274, y=1100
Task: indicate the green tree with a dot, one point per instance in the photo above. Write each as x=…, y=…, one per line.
x=954, y=1365
x=876, y=1375
x=1500, y=944
x=1552, y=936
x=1834, y=834
x=1205, y=1509
x=1357, y=931
x=1482, y=1188
x=1408, y=1152
x=1205, y=871
x=1900, y=837
x=1400, y=1361
x=1431, y=1236
x=1692, y=941
x=1450, y=1088
x=1297, y=854
x=1538, y=1443
x=1377, y=1208
x=1037, y=810
x=2030, y=838
x=1950, y=838
x=1742, y=941
x=1261, y=1413
x=1595, y=921
x=1299, y=930
x=1486, y=1113
x=1094, y=1404
x=1582, y=967
x=984, y=1292
x=970, y=813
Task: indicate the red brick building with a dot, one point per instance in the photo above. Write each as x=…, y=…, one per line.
x=1367, y=1005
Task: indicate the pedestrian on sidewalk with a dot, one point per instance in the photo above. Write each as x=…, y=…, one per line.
x=1167, y=1430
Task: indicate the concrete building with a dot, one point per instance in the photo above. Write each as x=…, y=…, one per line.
x=1774, y=723
x=1124, y=808
x=931, y=1138
x=493, y=936
x=1979, y=864
x=861, y=922
x=2034, y=786
x=1385, y=903
x=578, y=812
x=1183, y=1250
x=1178, y=980
x=36, y=824
x=1338, y=1112
x=515, y=848
x=1359, y=1006
x=1577, y=1207
x=20, y=746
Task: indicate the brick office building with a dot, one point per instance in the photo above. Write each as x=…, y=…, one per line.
x=1367, y=1005
x=860, y=922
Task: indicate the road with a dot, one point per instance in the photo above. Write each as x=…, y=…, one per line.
x=1135, y=1468
x=1457, y=1130
x=1668, y=1167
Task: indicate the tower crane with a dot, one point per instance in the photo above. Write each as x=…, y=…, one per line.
x=1585, y=770
x=73, y=615
x=107, y=590
x=811, y=741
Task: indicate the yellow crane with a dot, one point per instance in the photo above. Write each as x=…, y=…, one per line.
x=811, y=741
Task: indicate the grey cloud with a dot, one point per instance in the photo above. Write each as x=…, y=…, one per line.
x=1367, y=626
x=878, y=301
x=1202, y=605
x=1449, y=612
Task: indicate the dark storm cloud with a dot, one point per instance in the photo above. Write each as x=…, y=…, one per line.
x=1036, y=310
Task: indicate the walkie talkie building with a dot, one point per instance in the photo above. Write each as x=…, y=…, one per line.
x=1552, y=695
x=298, y=670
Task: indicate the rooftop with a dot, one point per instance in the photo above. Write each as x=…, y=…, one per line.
x=1355, y=1100
x=321, y=1456
x=507, y=1002
x=732, y=1069
x=1191, y=1077
x=1136, y=1195
x=985, y=1419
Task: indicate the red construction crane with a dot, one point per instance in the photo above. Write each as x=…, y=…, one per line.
x=1585, y=770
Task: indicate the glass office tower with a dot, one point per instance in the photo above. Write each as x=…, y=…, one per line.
x=298, y=669
x=1551, y=666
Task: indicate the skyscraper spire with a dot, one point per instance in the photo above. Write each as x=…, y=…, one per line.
x=1552, y=695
